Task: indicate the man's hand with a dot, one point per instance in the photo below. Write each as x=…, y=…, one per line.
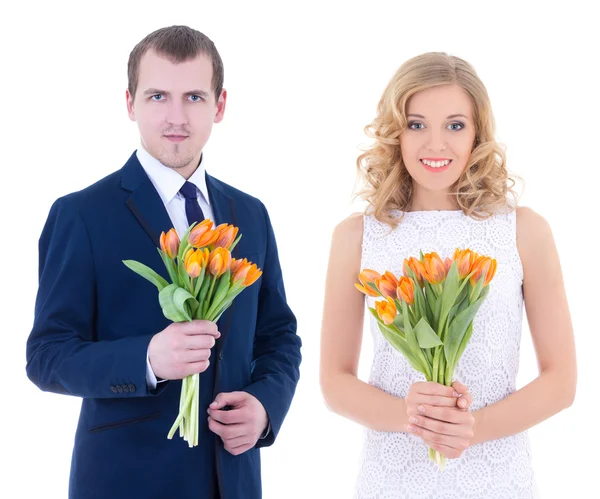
x=241, y=426
x=182, y=349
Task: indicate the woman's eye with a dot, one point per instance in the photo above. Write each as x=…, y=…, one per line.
x=415, y=125
x=456, y=126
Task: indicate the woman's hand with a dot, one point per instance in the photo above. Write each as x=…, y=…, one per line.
x=440, y=415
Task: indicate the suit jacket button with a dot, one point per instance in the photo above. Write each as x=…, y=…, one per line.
x=113, y=389
x=221, y=355
x=131, y=388
x=119, y=389
x=125, y=388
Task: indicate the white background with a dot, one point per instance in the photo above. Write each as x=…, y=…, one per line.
x=303, y=81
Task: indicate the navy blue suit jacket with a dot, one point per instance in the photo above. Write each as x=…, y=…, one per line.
x=94, y=319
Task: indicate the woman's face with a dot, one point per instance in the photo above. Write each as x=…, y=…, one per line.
x=439, y=139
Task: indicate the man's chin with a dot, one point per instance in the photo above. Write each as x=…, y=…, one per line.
x=176, y=161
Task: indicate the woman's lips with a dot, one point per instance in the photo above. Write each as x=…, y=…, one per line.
x=436, y=165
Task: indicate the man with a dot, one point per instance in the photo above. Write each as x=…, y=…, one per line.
x=99, y=332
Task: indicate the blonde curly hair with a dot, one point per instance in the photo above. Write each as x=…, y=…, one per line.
x=484, y=187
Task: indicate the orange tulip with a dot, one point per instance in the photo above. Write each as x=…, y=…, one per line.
x=464, y=260
x=386, y=310
x=447, y=264
x=253, y=274
x=226, y=236
x=417, y=267
x=202, y=234
x=366, y=277
x=236, y=263
x=406, y=290
x=219, y=261
x=484, y=266
x=169, y=243
x=387, y=284
x=435, y=271
x=239, y=270
x=193, y=263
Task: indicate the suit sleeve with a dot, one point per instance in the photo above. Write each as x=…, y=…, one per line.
x=276, y=363
x=63, y=355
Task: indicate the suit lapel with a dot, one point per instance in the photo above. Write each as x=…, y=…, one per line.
x=144, y=202
x=220, y=203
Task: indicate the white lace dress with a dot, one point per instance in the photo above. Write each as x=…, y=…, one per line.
x=396, y=465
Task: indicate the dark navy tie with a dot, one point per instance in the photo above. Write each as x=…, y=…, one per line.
x=192, y=208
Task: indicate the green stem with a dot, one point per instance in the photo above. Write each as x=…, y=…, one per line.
x=188, y=398
x=437, y=458
x=193, y=437
x=436, y=364
x=208, y=296
x=184, y=384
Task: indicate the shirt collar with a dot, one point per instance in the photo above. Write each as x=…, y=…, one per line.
x=167, y=181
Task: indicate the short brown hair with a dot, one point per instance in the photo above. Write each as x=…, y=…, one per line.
x=178, y=44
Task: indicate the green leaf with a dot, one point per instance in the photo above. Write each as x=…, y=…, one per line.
x=402, y=346
x=147, y=273
x=220, y=293
x=222, y=287
x=392, y=328
x=412, y=342
x=449, y=294
x=182, y=275
x=476, y=291
x=485, y=292
x=199, y=282
x=463, y=299
x=170, y=310
x=169, y=265
x=425, y=335
x=457, y=329
x=461, y=349
x=399, y=321
x=420, y=305
x=431, y=301
x=437, y=315
x=183, y=245
x=204, y=289
x=224, y=306
x=180, y=297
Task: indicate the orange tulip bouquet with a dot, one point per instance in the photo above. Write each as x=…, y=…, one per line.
x=427, y=314
x=205, y=280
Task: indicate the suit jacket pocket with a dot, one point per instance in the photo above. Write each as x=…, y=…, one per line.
x=124, y=422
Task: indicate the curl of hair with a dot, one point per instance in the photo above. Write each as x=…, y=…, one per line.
x=484, y=187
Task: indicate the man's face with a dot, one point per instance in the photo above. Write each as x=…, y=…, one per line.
x=175, y=108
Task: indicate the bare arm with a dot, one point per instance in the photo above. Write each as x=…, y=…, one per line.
x=550, y=325
x=341, y=338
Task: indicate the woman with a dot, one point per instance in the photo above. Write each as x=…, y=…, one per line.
x=436, y=180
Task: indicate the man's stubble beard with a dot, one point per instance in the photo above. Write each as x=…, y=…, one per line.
x=176, y=159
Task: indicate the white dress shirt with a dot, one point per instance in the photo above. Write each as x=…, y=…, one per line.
x=167, y=182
